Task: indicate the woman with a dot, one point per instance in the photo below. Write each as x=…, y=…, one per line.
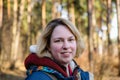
x=59, y=43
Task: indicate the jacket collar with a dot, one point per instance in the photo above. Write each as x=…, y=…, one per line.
x=33, y=59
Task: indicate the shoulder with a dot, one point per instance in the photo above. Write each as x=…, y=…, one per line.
x=86, y=75
x=38, y=75
x=91, y=76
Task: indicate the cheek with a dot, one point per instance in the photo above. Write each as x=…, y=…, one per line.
x=74, y=44
x=55, y=48
x=74, y=47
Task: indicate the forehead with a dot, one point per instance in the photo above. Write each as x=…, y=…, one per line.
x=61, y=31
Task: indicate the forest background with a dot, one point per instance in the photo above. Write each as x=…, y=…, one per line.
x=21, y=23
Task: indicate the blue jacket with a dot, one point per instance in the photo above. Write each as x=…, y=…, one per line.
x=47, y=69
x=46, y=73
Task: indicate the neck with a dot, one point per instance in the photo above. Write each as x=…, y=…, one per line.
x=65, y=65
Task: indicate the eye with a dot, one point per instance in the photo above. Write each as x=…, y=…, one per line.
x=71, y=39
x=59, y=40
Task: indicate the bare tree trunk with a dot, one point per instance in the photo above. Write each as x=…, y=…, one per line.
x=94, y=26
x=8, y=9
x=90, y=37
x=118, y=19
x=72, y=12
x=43, y=13
x=53, y=9
x=29, y=9
x=109, y=9
x=1, y=20
x=16, y=31
x=1, y=12
x=20, y=18
x=94, y=38
x=55, y=12
x=21, y=13
x=15, y=35
x=29, y=18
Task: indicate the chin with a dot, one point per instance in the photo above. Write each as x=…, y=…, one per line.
x=67, y=61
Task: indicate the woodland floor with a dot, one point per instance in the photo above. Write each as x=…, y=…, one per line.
x=108, y=67
x=20, y=75
x=12, y=75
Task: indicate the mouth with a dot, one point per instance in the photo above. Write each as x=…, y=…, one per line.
x=66, y=52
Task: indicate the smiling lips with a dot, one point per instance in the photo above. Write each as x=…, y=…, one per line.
x=66, y=54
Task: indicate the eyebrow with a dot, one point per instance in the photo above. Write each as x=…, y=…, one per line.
x=62, y=38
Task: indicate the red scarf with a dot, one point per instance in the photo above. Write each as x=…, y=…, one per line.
x=33, y=59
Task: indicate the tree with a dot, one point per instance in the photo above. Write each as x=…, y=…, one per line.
x=1, y=18
x=53, y=9
x=43, y=13
x=29, y=18
x=1, y=12
x=118, y=19
x=56, y=13
x=8, y=9
x=90, y=32
x=15, y=35
x=109, y=10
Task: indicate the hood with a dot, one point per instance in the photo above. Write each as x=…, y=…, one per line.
x=33, y=59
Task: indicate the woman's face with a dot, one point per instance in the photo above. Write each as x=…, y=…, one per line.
x=62, y=45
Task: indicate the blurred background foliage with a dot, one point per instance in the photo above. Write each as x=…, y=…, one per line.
x=21, y=22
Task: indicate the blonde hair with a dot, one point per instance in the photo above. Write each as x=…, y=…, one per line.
x=44, y=40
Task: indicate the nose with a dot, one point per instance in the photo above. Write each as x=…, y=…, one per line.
x=66, y=45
